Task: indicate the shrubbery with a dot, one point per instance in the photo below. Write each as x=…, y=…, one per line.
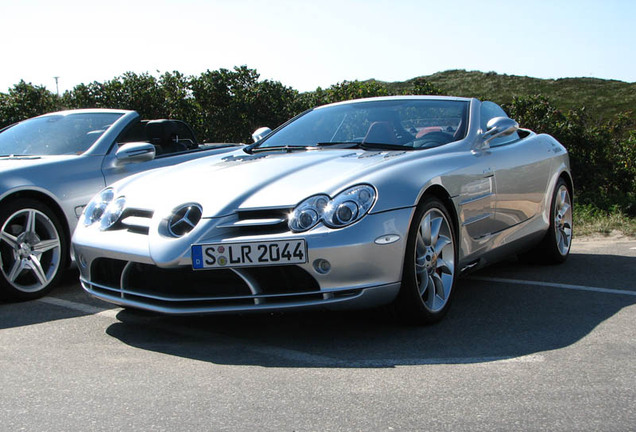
x=602, y=155
x=227, y=105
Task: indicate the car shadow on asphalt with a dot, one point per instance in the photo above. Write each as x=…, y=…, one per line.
x=488, y=321
x=20, y=314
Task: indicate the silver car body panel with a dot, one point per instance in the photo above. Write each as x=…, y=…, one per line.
x=499, y=197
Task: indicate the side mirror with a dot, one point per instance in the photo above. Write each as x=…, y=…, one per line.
x=260, y=133
x=135, y=152
x=499, y=127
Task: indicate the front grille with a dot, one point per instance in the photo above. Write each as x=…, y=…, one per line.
x=135, y=220
x=183, y=290
x=257, y=222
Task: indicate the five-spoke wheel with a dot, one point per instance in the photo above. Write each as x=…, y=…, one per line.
x=32, y=250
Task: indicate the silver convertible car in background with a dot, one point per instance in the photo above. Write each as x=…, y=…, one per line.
x=354, y=204
x=52, y=165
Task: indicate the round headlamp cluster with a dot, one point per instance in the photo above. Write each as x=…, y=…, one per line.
x=347, y=207
x=105, y=209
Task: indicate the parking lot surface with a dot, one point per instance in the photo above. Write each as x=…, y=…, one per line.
x=524, y=347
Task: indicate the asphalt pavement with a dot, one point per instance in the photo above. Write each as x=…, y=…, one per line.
x=524, y=347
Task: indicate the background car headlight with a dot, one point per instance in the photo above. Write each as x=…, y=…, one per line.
x=346, y=208
x=97, y=206
x=112, y=213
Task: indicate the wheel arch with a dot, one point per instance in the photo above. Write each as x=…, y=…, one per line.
x=442, y=194
x=567, y=178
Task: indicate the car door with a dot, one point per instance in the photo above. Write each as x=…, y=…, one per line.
x=522, y=174
x=520, y=169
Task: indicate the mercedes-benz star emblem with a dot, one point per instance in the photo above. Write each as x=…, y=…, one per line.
x=184, y=219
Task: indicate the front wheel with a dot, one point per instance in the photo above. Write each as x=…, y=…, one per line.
x=428, y=275
x=33, y=250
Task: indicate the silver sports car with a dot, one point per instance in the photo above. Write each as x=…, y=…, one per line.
x=354, y=204
x=52, y=165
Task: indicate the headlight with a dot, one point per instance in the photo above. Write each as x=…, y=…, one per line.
x=346, y=208
x=96, y=207
x=105, y=209
x=112, y=213
x=308, y=213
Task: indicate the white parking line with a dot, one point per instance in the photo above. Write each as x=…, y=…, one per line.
x=384, y=363
x=80, y=307
x=555, y=285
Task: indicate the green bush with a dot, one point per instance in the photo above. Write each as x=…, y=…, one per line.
x=602, y=155
x=228, y=105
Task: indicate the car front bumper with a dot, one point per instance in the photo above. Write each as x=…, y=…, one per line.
x=365, y=270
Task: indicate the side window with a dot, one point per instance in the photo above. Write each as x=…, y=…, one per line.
x=490, y=110
x=134, y=133
x=168, y=136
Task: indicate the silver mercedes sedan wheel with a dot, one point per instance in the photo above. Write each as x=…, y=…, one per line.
x=31, y=250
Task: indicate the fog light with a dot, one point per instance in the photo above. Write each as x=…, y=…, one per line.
x=322, y=266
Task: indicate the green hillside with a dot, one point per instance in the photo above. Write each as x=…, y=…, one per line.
x=602, y=98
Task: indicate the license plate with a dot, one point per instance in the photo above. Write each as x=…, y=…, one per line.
x=224, y=255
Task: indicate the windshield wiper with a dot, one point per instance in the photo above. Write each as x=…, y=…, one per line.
x=285, y=148
x=346, y=144
x=364, y=145
x=383, y=146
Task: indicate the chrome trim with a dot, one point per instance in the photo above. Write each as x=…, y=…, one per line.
x=477, y=219
x=362, y=297
x=472, y=200
x=252, y=223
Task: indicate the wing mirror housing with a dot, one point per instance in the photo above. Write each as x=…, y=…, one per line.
x=260, y=133
x=496, y=128
x=135, y=152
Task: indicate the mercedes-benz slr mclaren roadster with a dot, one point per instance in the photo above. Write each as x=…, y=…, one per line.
x=354, y=204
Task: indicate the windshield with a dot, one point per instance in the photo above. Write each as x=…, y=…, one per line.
x=401, y=123
x=55, y=134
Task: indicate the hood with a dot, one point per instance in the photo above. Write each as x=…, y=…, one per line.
x=16, y=162
x=222, y=184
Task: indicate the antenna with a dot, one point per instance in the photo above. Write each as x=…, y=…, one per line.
x=57, y=88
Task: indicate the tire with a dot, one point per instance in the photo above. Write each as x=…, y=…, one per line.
x=428, y=275
x=33, y=250
x=555, y=246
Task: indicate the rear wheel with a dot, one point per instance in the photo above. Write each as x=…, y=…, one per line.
x=33, y=250
x=555, y=246
x=429, y=273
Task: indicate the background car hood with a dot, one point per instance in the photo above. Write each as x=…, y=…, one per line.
x=222, y=184
x=10, y=163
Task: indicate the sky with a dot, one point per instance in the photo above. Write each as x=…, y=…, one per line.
x=310, y=44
